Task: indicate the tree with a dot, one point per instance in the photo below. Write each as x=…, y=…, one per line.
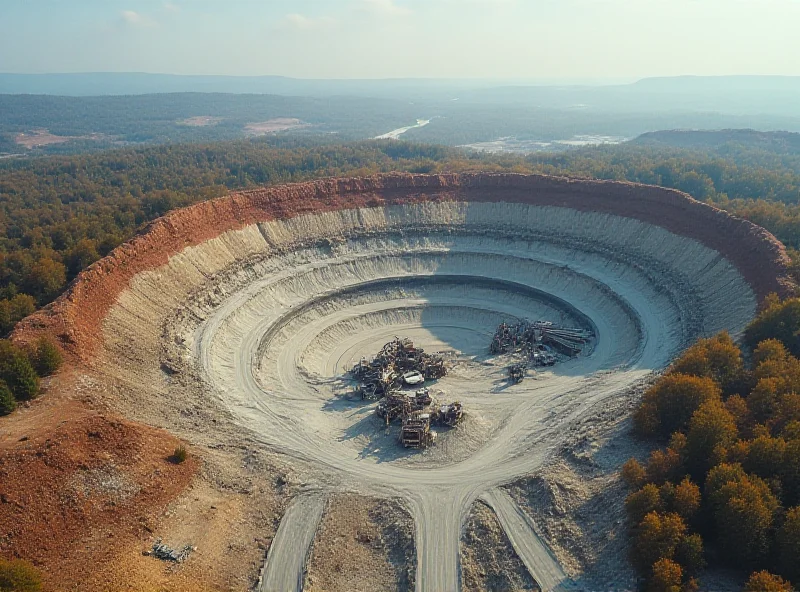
x=46, y=357
x=744, y=513
x=780, y=321
x=721, y=475
x=763, y=399
x=763, y=581
x=640, y=503
x=16, y=371
x=711, y=429
x=656, y=538
x=689, y=554
x=791, y=471
x=737, y=407
x=666, y=577
x=46, y=279
x=769, y=350
x=19, y=576
x=788, y=410
x=7, y=401
x=14, y=310
x=717, y=358
x=766, y=456
x=663, y=466
x=670, y=403
x=789, y=545
x=80, y=256
x=685, y=499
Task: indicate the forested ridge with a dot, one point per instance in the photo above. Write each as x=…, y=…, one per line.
x=59, y=214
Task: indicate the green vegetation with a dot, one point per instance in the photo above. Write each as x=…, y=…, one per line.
x=45, y=357
x=20, y=370
x=179, y=455
x=19, y=576
x=17, y=372
x=7, y=401
x=730, y=472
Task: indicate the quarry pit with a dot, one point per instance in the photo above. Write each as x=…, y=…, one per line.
x=234, y=322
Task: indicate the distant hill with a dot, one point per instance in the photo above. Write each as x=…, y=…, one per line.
x=778, y=142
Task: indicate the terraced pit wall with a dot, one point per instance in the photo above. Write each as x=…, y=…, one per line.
x=75, y=319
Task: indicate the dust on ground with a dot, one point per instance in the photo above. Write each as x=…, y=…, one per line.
x=488, y=561
x=200, y=121
x=271, y=126
x=42, y=137
x=363, y=544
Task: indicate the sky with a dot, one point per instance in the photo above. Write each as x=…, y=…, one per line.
x=506, y=39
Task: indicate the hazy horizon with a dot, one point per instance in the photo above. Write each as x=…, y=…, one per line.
x=543, y=41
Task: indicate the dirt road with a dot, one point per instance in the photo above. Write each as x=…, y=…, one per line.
x=284, y=570
x=517, y=525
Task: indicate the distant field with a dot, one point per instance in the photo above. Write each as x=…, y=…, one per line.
x=279, y=124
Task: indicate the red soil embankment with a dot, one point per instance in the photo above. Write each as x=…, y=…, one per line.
x=76, y=496
x=76, y=317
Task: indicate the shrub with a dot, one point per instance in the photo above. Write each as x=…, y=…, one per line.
x=7, y=401
x=46, y=357
x=16, y=371
x=19, y=576
x=633, y=473
x=180, y=454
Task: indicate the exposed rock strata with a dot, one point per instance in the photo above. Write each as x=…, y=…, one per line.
x=76, y=317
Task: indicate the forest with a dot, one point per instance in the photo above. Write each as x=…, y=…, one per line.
x=60, y=214
x=726, y=488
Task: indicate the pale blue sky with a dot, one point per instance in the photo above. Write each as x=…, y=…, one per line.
x=606, y=39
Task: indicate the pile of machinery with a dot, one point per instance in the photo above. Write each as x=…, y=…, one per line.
x=539, y=342
x=418, y=412
x=397, y=365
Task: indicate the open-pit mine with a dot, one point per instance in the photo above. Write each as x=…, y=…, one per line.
x=236, y=323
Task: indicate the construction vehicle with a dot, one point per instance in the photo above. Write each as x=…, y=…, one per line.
x=450, y=415
x=416, y=431
x=516, y=372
